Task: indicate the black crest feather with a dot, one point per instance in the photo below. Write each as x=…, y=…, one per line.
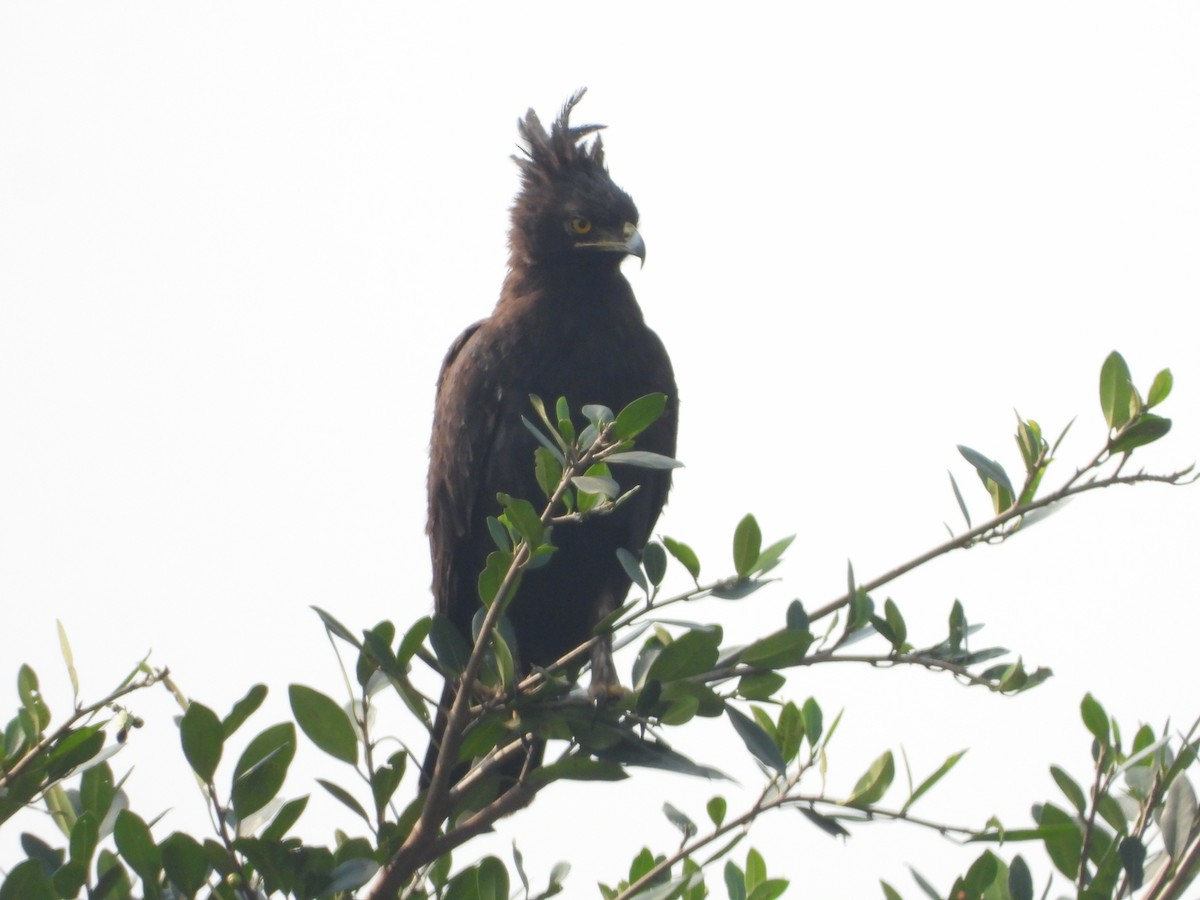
x=549, y=152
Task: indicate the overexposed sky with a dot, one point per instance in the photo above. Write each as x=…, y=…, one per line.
x=236, y=239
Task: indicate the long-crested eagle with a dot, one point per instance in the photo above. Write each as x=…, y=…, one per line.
x=566, y=325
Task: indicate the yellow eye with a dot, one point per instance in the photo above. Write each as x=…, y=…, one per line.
x=580, y=225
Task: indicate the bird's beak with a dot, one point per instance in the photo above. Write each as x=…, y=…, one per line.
x=631, y=243
x=634, y=245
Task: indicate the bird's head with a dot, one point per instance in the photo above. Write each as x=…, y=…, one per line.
x=569, y=211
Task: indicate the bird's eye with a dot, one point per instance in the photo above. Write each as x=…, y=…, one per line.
x=580, y=225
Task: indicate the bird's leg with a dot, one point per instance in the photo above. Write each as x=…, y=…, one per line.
x=605, y=684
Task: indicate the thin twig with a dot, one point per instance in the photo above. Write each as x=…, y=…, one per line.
x=992, y=527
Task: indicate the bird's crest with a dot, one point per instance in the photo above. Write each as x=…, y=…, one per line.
x=548, y=152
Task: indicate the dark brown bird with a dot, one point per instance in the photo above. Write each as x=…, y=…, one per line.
x=566, y=324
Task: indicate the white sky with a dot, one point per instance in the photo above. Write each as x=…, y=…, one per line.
x=236, y=239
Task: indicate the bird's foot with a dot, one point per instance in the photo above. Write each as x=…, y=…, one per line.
x=604, y=692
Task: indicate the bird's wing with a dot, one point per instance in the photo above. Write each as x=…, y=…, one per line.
x=464, y=426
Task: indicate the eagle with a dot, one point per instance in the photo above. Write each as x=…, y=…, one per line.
x=566, y=324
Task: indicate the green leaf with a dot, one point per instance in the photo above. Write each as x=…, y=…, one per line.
x=747, y=542
x=31, y=699
x=578, y=768
x=775, y=651
x=924, y=885
x=344, y=797
x=1147, y=429
x=68, y=657
x=769, y=889
x=489, y=882
x=895, y=623
x=981, y=874
x=324, y=722
x=548, y=471
x=958, y=626
x=684, y=554
x=680, y=821
x=69, y=878
x=757, y=741
x=950, y=763
x=262, y=768
x=770, y=557
x=810, y=712
x=566, y=428
x=789, y=731
x=76, y=748
x=759, y=685
x=597, y=485
x=85, y=835
x=1020, y=879
x=735, y=881
x=377, y=656
x=692, y=653
x=1133, y=857
x=412, y=640
x=523, y=518
x=716, y=808
x=1095, y=719
x=537, y=403
x=962, y=504
x=989, y=470
x=638, y=416
x=113, y=877
x=36, y=848
x=889, y=892
x=1030, y=442
x=336, y=627
x=244, y=708
x=490, y=580
x=654, y=561
x=505, y=664
x=448, y=645
x=351, y=874
x=633, y=568
x=385, y=780
x=643, y=459
x=545, y=441
x=287, y=816
x=136, y=846
x=874, y=782
x=203, y=739
x=597, y=414
x=185, y=863
x=1161, y=388
x=1110, y=810
x=1116, y=390
x=756, y=869
x=1070, y=789
x=1178, y=817
x=96, y=791
x=737, y=590
x=27, y=881
x=827, y=824
x=1062, y=838
x=499, y=534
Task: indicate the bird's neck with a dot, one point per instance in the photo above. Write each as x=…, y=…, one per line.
x=597, y=287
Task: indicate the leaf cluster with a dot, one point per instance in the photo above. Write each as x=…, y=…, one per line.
x=402, y=840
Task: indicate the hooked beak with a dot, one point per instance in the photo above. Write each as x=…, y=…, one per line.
x=631, y=243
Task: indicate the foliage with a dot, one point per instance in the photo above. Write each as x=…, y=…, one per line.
x=1135, y=827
